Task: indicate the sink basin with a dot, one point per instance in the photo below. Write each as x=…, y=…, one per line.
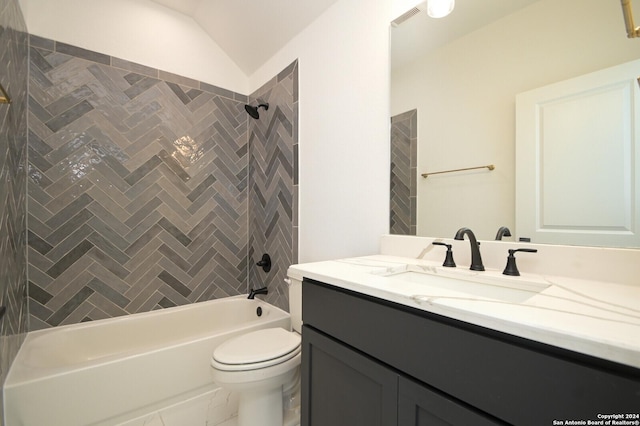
x=460, y=283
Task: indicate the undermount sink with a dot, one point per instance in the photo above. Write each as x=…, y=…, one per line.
x=440, y=282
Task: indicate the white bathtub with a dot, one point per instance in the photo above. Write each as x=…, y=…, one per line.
x=97, y=373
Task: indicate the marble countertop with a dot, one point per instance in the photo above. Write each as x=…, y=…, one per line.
x=597, y=318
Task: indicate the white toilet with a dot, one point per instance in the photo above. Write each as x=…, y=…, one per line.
x=262, y=366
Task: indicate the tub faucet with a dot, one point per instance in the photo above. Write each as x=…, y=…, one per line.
x=476, y=259
x=503, y=231
x=252, y=292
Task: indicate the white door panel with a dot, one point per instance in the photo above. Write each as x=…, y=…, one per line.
x=577, y=146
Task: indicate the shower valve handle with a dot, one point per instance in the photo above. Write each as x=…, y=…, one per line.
x=265, y=262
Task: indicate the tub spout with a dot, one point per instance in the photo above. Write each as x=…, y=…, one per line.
x=252, y=293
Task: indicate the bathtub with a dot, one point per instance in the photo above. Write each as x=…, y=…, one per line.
x=101, y=372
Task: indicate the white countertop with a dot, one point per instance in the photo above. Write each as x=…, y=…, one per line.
x=597, y=318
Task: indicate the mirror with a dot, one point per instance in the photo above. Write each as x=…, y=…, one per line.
x=461, y=74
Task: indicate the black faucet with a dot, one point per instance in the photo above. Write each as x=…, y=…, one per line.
x=252, y=292
x=503, y=231
x=476, y=259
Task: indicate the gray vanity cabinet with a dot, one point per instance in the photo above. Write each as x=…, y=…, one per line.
x=367, y=361
x=346, y=388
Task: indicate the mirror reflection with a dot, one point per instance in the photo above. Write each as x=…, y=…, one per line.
x=455, y=80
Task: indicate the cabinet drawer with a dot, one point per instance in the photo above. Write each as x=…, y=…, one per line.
x=516, y=380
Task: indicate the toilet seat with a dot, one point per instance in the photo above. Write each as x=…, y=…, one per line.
x=256, y=350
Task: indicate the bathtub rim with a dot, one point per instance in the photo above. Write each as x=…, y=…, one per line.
x=157, y=312
x=20, y=373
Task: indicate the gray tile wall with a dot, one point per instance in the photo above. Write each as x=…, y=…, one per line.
x=273, y=199
x=13, y=178
x=138, y=187
x=404, y=153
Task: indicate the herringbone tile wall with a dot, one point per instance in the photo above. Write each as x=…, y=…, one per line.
x=13, y=179
x=404, y=152
x=274, y=183
x=138, y=188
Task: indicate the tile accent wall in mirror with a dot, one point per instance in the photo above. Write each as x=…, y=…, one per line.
x=403, y=173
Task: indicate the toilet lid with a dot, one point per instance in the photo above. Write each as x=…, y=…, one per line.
x=257, y=346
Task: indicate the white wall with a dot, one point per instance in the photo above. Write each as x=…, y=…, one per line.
x=140, y=31
x=465, y=96
x=343, y=129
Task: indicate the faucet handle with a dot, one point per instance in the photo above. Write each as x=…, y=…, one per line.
x=512, y=268
x=448, y=260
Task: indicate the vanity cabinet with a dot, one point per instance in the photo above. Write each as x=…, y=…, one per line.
x=351, y=389
x=367, y=361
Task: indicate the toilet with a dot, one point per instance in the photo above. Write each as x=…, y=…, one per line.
x=263, y=367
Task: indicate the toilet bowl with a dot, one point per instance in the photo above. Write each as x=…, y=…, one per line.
x=263, y=367
x=260, y=366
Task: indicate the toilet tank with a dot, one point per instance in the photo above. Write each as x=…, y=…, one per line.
x=295, y=301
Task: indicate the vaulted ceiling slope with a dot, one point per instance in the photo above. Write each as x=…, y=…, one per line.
x=250, y=31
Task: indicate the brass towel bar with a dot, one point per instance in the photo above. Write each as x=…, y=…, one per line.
x=490, y=167
x=4, y=98
x=632, y=30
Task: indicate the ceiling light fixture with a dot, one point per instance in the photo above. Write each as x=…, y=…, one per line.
x=440, y=8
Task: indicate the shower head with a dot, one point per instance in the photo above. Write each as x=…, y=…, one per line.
x=253, y=110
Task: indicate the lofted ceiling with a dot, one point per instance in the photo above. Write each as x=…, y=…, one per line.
x=250, y=31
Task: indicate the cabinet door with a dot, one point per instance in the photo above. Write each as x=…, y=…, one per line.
x=341, y=387
x=418, y=405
